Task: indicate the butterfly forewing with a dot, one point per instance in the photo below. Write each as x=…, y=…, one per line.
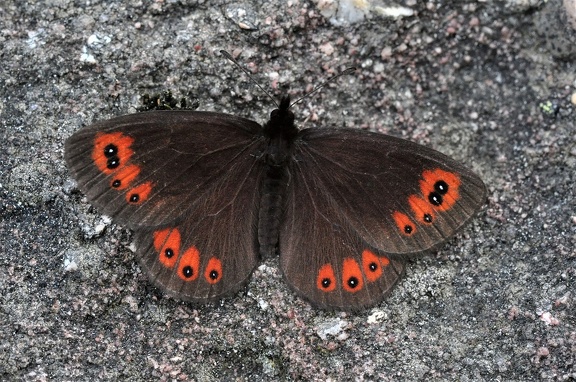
x=197, y=178
x=399, y=196
x=145, y=169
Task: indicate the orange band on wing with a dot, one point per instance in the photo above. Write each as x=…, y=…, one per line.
x=404, y=224
x=371, y=265
x=213, y=272
x=117, y=145
x=352, y=279
x=422, y=210
x=189, y=264
x=326, y=281
x=139, y=194
x=440, y=188
x=167, y=244
x=124, y=177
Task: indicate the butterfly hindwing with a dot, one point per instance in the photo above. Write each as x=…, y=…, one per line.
x=323, y=259
x=362, y=191
x=213, y=250
x=197, y=175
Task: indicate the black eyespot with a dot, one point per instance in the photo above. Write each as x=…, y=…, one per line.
x=134, y=198
x=116, y=183
x=188, y=271
x=113, y=162
x=214, y=274
x=408, y=229
x=169, y=253
x=352, y=282
x=373, y=267
x=326, y=283
x=441, y=187
x=110, y=150
x=428, y=218
x=435, y=198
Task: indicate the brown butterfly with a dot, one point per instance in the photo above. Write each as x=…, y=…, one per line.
x=208, y=193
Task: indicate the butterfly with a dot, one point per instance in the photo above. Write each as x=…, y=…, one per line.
x=209, y=194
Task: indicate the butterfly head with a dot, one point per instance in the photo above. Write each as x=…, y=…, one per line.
x=281, y=121
x=282, y=115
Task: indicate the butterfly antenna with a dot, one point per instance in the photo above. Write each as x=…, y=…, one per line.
x=343, y=73
x=229, y=56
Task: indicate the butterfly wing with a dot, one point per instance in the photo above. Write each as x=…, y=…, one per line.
x=360, y=203
x=323, y=259
x=213, y=251
x=187, y=183
x=142, y=168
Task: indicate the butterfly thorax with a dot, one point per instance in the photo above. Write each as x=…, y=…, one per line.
x=281, y=132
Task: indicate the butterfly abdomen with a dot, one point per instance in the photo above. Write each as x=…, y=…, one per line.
x=270, y=214
x=281, y=133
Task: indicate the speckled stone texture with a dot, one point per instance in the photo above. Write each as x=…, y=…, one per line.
x=556, y=24
x=482, y=82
